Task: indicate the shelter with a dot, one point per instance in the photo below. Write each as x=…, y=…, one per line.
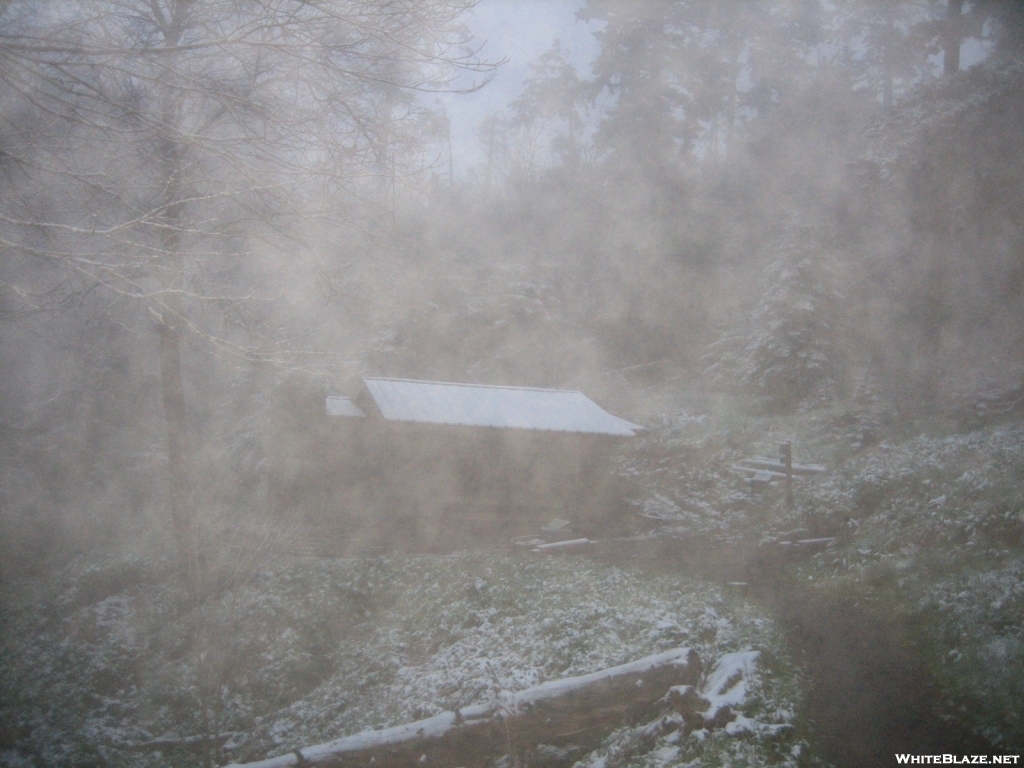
x=436, y=466
x=482, y=405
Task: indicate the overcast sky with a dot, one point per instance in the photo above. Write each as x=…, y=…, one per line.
x=519, y=31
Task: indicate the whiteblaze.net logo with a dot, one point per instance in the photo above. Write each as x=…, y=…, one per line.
x=957, y=759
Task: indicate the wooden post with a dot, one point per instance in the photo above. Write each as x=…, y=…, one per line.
x=786, y=458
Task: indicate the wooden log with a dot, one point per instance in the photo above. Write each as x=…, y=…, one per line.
x=749, y=472
x=762, y=476
x=562, y=546
x=815, y=544
x=191, y=743
x=567, y=711
x=780, y=467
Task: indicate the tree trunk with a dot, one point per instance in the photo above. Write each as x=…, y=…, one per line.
x=953, y=36
x=180, y=450
x=736, y=48
x=179, y=454
x=888, y=54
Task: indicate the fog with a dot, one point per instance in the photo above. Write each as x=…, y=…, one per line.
x=734, y=224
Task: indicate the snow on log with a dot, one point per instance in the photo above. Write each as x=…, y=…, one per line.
x=555, y=712
x=725, y=692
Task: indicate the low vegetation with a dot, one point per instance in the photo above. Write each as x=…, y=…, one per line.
x=925, y=517
x=107, y=664
x=934, y=526
x=112, y=662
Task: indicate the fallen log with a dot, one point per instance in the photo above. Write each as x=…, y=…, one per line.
x=807, y=544
x=196, y=743
x=562, y=546
x=757, y=476
x=559, y=712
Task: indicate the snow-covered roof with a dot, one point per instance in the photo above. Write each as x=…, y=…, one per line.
x=479, y=405
x=342, y=406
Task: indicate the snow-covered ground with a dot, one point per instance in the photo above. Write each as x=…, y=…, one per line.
x=928, y=522
x=309, y=650
x=110, y=663
x=935, y=525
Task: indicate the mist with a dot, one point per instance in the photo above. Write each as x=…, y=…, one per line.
x=732, y=226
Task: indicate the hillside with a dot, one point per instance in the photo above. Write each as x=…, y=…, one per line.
x=914, y=559
x=917, y=522
x=107, y=665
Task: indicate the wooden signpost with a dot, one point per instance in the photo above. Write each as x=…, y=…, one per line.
x=786, y=459
x=760, y=470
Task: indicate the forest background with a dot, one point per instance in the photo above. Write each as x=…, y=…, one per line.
x=790, y=201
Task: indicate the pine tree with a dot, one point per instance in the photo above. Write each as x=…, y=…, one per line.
x=785, y=350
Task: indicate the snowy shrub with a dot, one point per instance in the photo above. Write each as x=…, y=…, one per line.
x=863, y=417
x=977, y=616
x=785, y=349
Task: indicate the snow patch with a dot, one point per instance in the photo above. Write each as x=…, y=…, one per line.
x=726, y=686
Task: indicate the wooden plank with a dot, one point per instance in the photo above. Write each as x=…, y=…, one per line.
x=778, y=466
x=750, y=471
x=562, y=546
x=554, y=713
x=815, y=543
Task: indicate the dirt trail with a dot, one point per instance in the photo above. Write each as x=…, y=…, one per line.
x=869, y=695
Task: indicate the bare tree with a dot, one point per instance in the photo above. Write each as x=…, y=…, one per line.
x=174, y=143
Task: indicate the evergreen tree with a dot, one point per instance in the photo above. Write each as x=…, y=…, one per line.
x=786, y=349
